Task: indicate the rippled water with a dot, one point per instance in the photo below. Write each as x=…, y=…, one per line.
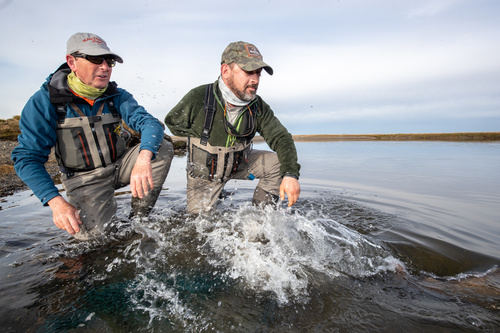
x=386, y=237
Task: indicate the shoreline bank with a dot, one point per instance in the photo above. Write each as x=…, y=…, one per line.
x=459, y=136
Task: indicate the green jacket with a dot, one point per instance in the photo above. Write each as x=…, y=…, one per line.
x=188, y=116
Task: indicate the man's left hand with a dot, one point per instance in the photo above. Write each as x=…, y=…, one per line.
x=291, y=187
x=141, y=178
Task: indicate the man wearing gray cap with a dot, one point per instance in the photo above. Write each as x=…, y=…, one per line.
x=81, y=113
x=220, y=121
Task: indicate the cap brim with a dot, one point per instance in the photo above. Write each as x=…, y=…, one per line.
x=100, y=51
x=116, y=56
x=254, y=66
x=269, y=70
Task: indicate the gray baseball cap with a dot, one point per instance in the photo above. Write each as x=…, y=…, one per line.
x=90, y=44
x=245, y=55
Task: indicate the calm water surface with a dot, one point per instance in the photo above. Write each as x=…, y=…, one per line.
x=386, y=237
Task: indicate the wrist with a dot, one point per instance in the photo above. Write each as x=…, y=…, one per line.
x=55, y=201
x=146, y=154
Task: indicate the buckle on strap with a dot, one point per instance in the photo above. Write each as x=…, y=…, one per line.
x=61, y=113
x=205, y=134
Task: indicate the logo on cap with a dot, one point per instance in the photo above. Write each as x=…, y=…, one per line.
x=253, y=51
x=94, y=40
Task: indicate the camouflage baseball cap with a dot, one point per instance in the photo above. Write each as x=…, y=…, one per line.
x=245, y=55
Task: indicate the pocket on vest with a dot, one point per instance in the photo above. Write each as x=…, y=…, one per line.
x=115, y=143
x=203, y=164
x=73, y=149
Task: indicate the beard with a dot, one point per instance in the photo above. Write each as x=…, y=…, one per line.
x=242, y=94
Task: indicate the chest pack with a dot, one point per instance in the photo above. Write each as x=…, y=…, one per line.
x=85, y=143
x=218, y=163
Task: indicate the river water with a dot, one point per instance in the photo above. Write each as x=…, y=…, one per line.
x=386, y=237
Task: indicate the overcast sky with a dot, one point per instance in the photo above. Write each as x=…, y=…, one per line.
x=340, y=66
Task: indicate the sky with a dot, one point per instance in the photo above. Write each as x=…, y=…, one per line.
x=340, y=66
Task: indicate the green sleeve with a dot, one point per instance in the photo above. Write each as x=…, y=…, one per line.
x=279, y=140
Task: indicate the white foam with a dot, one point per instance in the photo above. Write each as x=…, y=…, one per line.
x=274, y=251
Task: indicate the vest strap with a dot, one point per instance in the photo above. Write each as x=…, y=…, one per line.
x=209, y=114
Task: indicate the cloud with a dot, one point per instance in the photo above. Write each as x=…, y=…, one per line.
x=312, y=71
x=353, y=60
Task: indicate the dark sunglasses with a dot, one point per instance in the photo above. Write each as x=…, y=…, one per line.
x=96, y=60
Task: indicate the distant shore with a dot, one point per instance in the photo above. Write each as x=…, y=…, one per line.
x=469, y=136
x=473, y=136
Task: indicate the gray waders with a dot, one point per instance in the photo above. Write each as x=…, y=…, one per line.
x=95, y=162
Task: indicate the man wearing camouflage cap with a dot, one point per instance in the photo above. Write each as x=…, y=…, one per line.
x=220, y=121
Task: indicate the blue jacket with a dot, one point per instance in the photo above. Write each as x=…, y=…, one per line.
x=38, y=125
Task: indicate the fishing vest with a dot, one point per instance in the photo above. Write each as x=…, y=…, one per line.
x=215, y=163
x=86, y=143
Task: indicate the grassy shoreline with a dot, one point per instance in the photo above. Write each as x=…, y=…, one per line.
x=466, y=136
x=462, y=136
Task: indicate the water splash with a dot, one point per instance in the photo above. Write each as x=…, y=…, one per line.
x=276, y=251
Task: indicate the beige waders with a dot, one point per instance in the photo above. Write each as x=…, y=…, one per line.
x=203, y=195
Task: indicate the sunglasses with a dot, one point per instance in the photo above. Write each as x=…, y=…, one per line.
x=96, y=60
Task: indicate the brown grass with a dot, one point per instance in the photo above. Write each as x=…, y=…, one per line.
x=6, y=169
x=9, y=129
x=473, y=136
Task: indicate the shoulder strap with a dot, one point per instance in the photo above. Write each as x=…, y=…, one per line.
x=209, y=114
x=77, y=109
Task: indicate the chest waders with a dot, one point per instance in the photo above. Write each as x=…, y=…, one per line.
x=216, y=163
x=86, y=143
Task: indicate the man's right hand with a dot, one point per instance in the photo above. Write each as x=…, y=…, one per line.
x=65, y=215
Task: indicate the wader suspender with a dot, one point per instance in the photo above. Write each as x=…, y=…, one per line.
x=209, y=114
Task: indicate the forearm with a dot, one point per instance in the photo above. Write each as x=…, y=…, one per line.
x=141, y=178
x=36, y=177
x=280, y=140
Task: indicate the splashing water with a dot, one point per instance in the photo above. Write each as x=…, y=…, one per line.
x=268, y=252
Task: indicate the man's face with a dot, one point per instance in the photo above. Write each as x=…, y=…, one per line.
x=93, y=75
x=242, y=83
